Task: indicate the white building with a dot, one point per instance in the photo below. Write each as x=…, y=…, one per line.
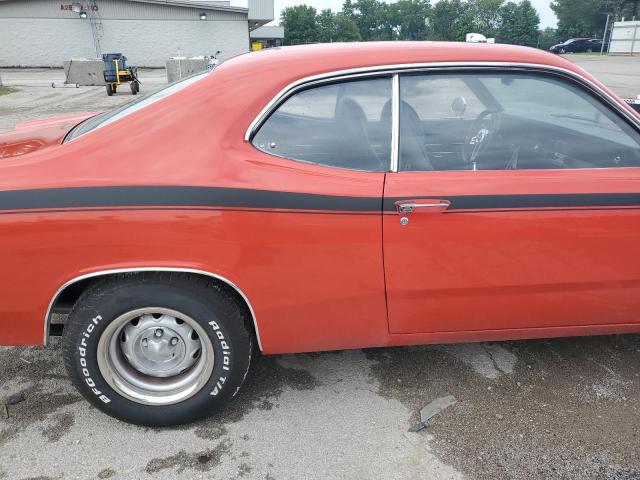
x=625, y=37
x=44, y=33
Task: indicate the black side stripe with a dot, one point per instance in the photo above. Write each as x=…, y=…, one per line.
x=529, y=202
x=171, y=196
x=260, y=200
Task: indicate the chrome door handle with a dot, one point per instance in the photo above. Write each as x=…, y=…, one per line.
x=408, y=206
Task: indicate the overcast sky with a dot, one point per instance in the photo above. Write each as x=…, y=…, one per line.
x=547, y=18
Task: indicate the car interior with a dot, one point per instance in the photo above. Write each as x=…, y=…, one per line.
x=339, y=125
x=492, y=126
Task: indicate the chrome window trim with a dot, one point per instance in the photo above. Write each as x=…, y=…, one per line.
x=100, y=273
x=398, y=69
x=395, y=123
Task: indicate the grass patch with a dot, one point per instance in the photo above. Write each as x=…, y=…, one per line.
x=7, y=90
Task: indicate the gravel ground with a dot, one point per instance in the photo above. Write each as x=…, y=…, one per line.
x=618, y=72
x=565, y=408
x=37, y=99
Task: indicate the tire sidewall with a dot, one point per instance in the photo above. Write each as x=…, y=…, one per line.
x=231, y=353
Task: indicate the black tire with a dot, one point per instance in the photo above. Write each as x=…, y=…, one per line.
x=222, y=317
x=134, y=88
x=110, y=90
x=562, y=50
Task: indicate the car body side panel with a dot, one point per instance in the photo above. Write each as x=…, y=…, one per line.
x=532, y=249
x=33, y=135
x=314, y=277
x=287, y=263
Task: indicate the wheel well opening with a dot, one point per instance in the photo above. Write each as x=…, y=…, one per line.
x=68, y=297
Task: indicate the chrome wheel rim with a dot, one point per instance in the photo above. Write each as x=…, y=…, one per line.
x=155, y=356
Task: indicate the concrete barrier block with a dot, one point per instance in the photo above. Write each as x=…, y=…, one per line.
x=178, y=68
x=84, y=71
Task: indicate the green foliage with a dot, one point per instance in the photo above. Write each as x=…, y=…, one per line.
x=326, y=21
x=334, y=27
x=450, y=20
x=587, y=18
x=548, y=38
x=7, y=90
x=409, y=19
x=371, y=18
x=513, y=22
x=300, y=25
x=486, y=16
x=346, y=29
x=519, y=24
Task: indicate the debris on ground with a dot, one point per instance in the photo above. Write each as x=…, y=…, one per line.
x=12, y=400
x=106, y=473
x=432, y=409
x=16, y=399
x=205, y=457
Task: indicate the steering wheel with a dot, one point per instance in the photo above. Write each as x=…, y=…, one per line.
x=482, y=133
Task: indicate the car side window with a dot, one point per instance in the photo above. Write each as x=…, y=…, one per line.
x=503, y=121
x=345, y=125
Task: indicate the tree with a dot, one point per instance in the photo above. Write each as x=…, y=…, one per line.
x=336, y=27
x=371, y=18
x=486, y=16
x=587, y=18
x=300, y=25
x=408, y=19
x=346, y=29
x=326, y=21
x=450, y=20
x=519, y=24
x=548, y=38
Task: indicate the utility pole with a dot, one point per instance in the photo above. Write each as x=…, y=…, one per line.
x=604, y=36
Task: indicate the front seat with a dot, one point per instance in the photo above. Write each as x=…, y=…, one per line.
x=357, y=151
x=413, y=150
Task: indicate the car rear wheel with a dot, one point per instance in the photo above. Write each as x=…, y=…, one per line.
x=158, y=349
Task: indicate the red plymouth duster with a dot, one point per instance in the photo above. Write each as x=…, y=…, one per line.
x=315, y=198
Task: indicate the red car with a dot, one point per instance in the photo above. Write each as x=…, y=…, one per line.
x=316, y=198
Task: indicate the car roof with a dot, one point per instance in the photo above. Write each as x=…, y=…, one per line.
x=308, y=60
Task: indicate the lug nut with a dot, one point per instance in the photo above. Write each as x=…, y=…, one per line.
x=158, y=333
x=174, y=341
x=145, y=342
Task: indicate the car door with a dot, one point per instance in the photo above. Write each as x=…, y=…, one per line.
x=523, y=213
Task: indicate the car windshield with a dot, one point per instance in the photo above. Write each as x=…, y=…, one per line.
x=552, y=105
x=131, y=107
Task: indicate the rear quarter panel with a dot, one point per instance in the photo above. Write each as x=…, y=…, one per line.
x=289, y=265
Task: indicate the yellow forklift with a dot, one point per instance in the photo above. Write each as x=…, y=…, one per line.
x=116, y=72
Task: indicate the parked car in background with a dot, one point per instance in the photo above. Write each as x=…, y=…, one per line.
x=578, y=45
x=317, y=198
